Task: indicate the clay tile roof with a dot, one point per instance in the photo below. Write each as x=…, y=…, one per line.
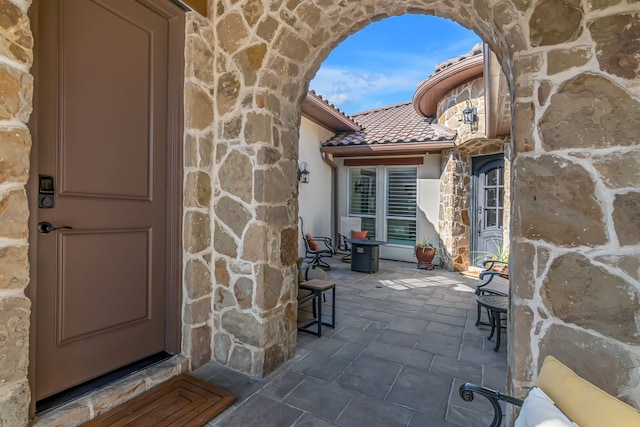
x=396, y=124
x=475, y=51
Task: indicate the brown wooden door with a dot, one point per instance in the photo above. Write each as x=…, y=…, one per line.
x=101, y=134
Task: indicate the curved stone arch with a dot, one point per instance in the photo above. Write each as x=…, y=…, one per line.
x=269, y=51
x=265, y=61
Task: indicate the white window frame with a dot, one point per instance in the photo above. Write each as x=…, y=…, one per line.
x=387, y=217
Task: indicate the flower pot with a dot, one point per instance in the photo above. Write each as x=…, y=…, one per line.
x=502, y=269
x=425, y=257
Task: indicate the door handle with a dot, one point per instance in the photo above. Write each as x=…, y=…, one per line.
x=46, y=227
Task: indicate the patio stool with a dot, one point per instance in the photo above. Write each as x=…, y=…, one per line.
x=317, y=288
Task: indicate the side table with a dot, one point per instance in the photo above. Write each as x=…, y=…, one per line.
x=497, y=305
x=317, y=287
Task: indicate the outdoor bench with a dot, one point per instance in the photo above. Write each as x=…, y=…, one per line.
x=560, y=398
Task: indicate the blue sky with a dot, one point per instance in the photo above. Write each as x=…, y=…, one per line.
x=382, y=64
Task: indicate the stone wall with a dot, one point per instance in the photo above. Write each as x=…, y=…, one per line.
x=16, y=90
x=255, y=214
x=456, y=187
x=574, y=71
x=454, y=218
x=558, y=60
x=454, y=222
x=575, y=240
x=199, y=160
x=452, y=104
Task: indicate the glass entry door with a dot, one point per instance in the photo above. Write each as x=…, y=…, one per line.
x=385, y=197
x=363, y=198
x=401, y=205
x=488, y=199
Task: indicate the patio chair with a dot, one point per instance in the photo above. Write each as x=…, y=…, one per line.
x=491, y=282
x=559, y=398
x=313, y=251
x=347, y=225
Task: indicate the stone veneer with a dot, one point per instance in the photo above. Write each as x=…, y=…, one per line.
x=573, y=68
x=454, y=221
x=199, y=160
x=90, y=405
x=452, y=104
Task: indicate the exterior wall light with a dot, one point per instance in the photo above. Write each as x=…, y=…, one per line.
x=303, y=173
x=470, y=115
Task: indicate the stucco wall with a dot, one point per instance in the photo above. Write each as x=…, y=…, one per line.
x=429, y=201
x=315, y=200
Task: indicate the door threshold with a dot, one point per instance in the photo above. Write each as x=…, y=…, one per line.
x=59, y=399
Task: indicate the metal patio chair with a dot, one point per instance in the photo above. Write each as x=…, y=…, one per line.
x=491, y=282
x=313, y=251
x=348, y=224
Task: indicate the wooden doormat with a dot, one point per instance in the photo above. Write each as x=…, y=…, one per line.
x=182, y=401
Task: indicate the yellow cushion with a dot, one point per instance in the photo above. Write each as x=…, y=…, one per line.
x=583, y=402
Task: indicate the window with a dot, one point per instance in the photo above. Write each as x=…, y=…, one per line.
x=401, y=205
x=362, y=197
x=493, y=198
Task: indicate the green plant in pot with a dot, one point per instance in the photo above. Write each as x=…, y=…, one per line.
x=424, y=252
x=496, y=260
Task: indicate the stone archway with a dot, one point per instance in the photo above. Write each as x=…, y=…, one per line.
x=572, y=213
x=265, y=59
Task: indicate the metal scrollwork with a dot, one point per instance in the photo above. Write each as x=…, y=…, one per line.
x=494, y=397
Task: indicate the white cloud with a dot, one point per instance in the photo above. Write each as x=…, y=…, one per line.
x=355, y=90
x=340, y=99
x=375, y=78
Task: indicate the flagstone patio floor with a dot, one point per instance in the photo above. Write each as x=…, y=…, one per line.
x=404, y=342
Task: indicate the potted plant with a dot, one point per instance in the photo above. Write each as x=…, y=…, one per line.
x=497, y=260
x=425, y=252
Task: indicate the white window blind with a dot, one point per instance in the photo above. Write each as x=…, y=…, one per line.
x=401, y=205
x=362, y=197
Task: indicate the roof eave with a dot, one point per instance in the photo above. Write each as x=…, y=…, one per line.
x=387, y=149
x=318, y=111
x=430, y=92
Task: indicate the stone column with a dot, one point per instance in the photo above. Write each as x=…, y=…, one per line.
x=455, y=203
x=16, y=89
x=198, y=169
x=254, y=222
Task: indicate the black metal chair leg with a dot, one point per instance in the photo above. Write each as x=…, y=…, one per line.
x=319, y=299
x=498, y=327
x=320, y=264
x=323, y=265
x=493, y=325
x=333, y=308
